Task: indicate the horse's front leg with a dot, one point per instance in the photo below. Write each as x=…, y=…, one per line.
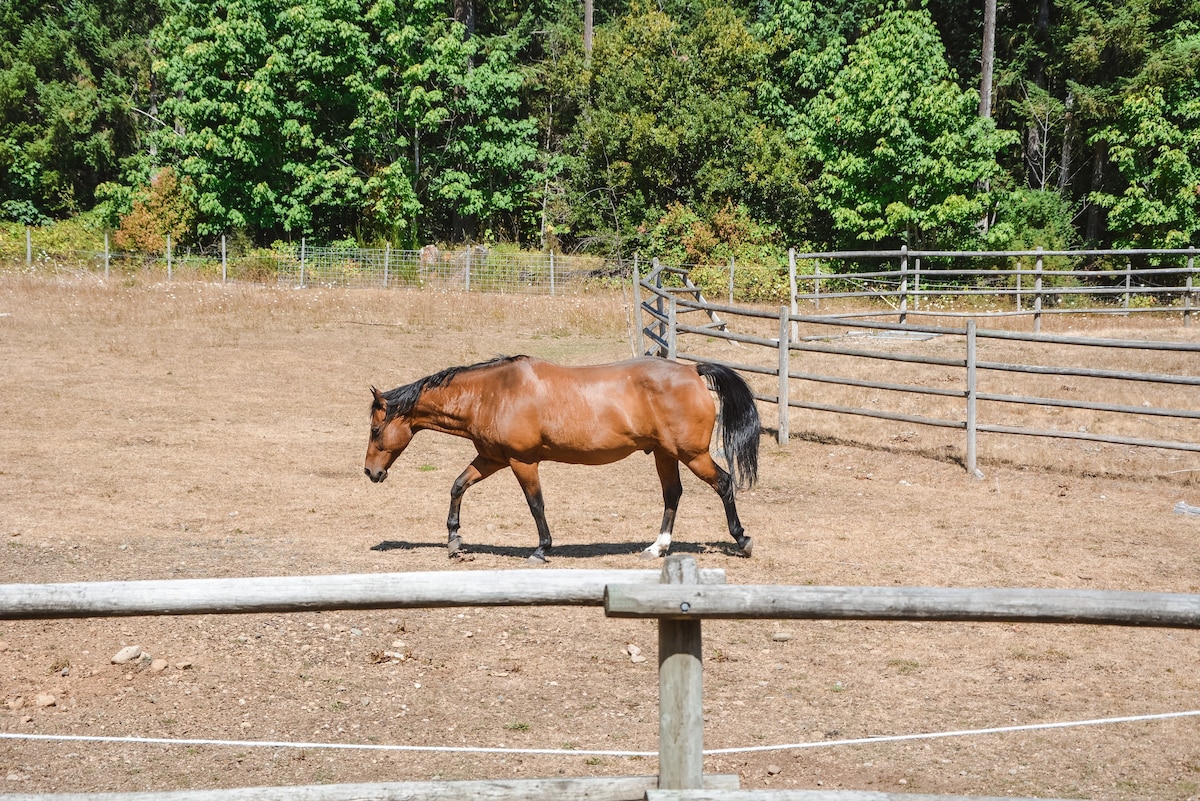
x=672, y=490
x=531, y=485
x=476, y=471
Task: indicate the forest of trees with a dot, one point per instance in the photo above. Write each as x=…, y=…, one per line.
x=699, y=129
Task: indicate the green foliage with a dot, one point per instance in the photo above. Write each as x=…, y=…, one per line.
x=904, y=151
x=1155, y=145
x=1029, y=218
x=70, y=76
x=815, y=123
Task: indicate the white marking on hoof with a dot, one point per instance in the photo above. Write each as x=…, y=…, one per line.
x=747, y=547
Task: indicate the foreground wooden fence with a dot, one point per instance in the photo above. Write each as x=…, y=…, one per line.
x=666, y=302
x=679, y=597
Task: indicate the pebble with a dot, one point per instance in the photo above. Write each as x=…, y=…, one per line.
x=774, y=770
x=127, y=654
x=782, y=636
x=158, y=665
x=44, y=700
x=635, y=653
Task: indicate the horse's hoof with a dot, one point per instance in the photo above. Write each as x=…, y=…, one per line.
x=747, y=547
x=537, y=560
x=648, y=554
x=453, y=546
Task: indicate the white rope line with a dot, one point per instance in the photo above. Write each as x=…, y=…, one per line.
x=585, y=752
x=894, y=738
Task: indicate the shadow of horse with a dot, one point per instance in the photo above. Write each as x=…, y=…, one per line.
x=585, y=551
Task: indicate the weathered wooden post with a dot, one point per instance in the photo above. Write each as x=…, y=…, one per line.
x=1037, y=293
x=638, y=323
x=672, y=328
x=792, y=289
x=732, y=267
x=169, y=257
x=971, y=398
x=1128, y=283
x=1187, y=293
x=903, y=284
x=680, y=690
x=784, y=383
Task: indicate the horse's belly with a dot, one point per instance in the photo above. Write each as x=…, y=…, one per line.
x=591, y=455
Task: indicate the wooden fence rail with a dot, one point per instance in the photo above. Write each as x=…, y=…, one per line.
x=679, y=597
x=431, y=589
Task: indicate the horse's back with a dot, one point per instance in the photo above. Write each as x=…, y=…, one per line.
x=601, y=413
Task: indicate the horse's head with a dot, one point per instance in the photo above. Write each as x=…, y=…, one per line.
x=389, y=438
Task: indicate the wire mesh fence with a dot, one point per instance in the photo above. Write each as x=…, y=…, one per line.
x=474, y=269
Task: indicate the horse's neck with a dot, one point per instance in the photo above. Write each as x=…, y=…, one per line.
x=449, y=410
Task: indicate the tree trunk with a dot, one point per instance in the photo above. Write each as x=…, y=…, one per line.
x=1064, y=162
x=988, y=58
x=588, y=7
x=1095, y=213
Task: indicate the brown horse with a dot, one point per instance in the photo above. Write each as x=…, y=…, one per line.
x=519, y=411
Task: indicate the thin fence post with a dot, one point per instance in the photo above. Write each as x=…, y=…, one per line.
x=784, y=382
x=169, y=257
x=552, y=273
x=106, y=254
x=1037, y=293
x=467, y=275
x=917, y=285
x=1187, y=293
x=387, y=253
x=792, y=288
x=302, y=257
x=28, y=248
x=1128, y=282
x=1018, y=287
x=680, y=690
x=224, y=261
x=817, y=284
x=637, y=309
x=659, y=306
x=672, y=329
x=903, y=284
x=732, y=266
x=971, y=399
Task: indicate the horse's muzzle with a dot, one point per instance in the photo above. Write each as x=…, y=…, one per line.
x=375, y=477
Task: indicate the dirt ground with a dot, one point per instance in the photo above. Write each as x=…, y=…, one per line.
x=193, y=430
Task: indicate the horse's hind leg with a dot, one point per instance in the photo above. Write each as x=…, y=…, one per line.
x=476, y=471
x=531, y=485
x=711, y=473
x=672, y=489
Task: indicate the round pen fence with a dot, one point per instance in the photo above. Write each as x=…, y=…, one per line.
x=862, y=349
x=679, y=598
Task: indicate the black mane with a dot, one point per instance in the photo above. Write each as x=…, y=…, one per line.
x=402, y=399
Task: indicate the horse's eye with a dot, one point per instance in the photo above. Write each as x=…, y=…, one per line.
x=374, y=432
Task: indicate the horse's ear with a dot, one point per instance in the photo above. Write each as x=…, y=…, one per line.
x=380, y=402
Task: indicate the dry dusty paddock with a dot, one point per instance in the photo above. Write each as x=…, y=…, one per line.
x=192, y=430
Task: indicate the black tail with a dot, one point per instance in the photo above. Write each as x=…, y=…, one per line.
x=739, y=423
